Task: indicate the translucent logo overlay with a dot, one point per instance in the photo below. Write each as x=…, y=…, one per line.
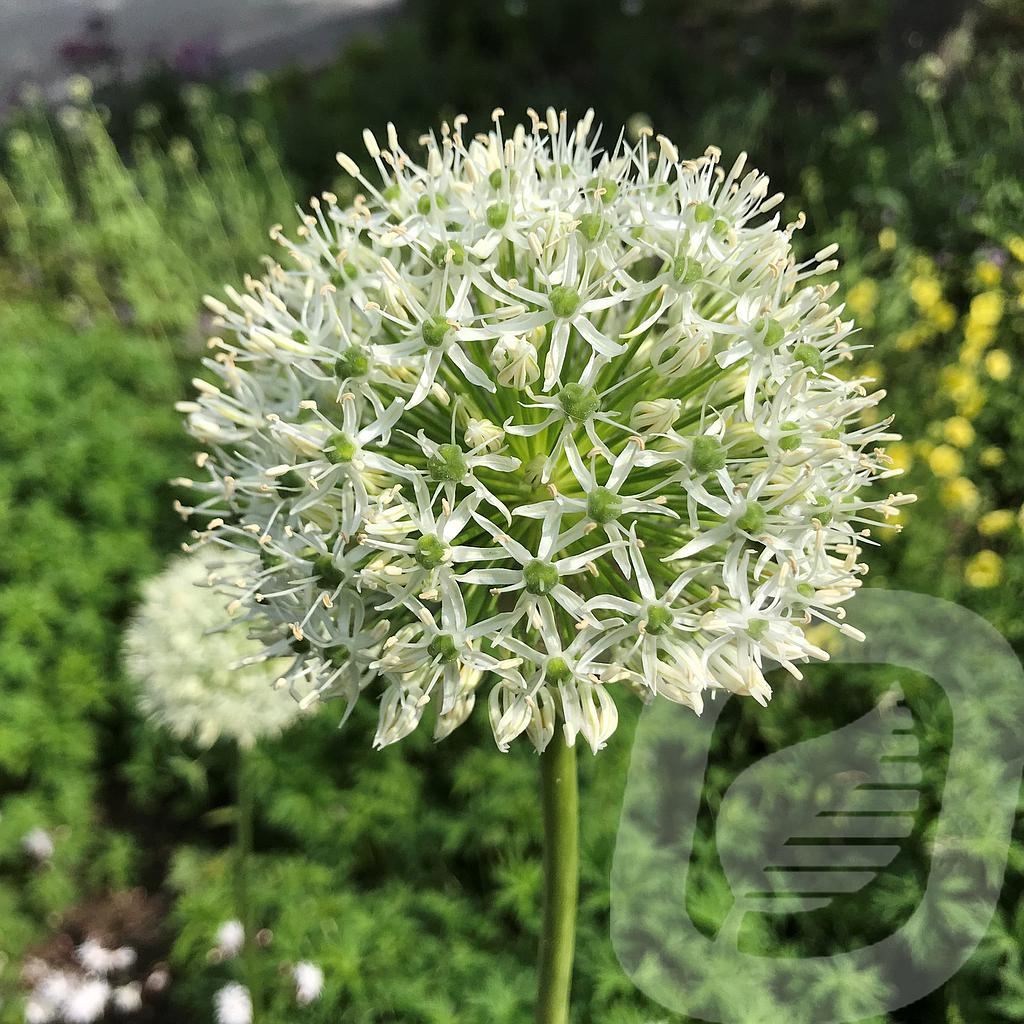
x=804, y=832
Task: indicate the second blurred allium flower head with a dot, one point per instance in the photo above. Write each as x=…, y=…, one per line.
x=200, y=675
x=544, y=418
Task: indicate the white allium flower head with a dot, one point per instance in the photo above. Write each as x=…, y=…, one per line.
x=543, y=417
x=200, y=674
x=233, y=1004
x=230, y=939
x=309, y=982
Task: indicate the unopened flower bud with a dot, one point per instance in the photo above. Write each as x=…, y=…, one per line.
x=484, y=433
x=515, y=359
x=656, y=416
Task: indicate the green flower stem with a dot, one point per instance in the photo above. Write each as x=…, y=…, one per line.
x=243, y=901
x=560, y=806
x=617, y=367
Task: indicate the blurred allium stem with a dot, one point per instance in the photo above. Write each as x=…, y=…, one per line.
x=560, y=806
x=243, y=858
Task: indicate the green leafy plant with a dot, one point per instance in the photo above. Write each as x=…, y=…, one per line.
x=138, y=234
x=87, y=441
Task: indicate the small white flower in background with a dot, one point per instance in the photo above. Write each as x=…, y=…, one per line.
x=87, y=1001
x=157, y=980
x=233, y=1004
x=50, y=991
x=37, y=1012
x=230, y=939
x=123, y=958
x=81, y=995
x=309, y=982
x=195, y=666
x=540, y=416
x=49, y=988
x=38, y=844
x=96, y=959
x=128, y=998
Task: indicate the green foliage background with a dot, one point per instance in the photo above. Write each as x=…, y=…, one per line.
x=412, y=876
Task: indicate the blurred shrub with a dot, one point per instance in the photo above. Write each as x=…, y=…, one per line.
x=87, y=439
x=411, y=876
x=933, y=239
x=140, y=235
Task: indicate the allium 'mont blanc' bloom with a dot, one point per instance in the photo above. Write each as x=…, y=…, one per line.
x=540, y=416
x=184, y=650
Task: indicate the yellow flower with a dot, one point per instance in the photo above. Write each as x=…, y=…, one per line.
x=923, y=265
x=992, y=456
x=945, y=462
x=823, y=635
x=970, y=355
x=957, y=430
x=901, y=455
x=894, y=522
x=943, y=315
x=873, y=370
x=925, y=291
x=998, y=364
x=985, y=569
x=862, y=299
x=960, y=495
x=971, y=404
x=988, y=273
x=977, y=337
x=956, y=379
x=997, y=521
x=1015, y=243
x=962, y=386
x=912, y=337
x=987, y=308
x=887, y=240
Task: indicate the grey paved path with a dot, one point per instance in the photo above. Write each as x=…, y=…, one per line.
x=248, y=33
